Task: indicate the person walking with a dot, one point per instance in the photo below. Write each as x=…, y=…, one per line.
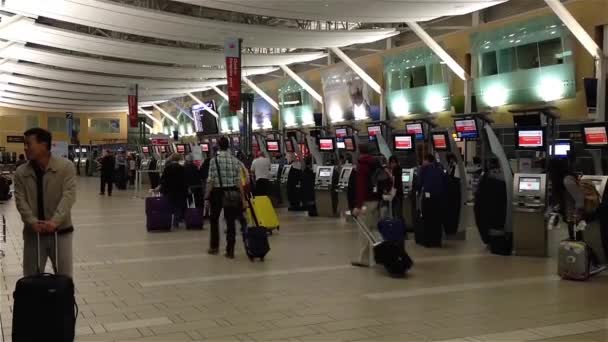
x=261, y=170
x=224, y=192
x=366, y=203
x=397, y=202
x=173, y=186
x=132, y=169
x=107, y=171
x=45, y=191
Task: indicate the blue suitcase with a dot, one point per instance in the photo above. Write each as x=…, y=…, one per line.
x=392, y=229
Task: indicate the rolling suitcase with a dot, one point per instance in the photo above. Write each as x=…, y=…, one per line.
x=158, y=214
x=264, y=210
x=44, y=307
x=574, y=257
x=390, y=254
x=193, y=217
x=255, y=238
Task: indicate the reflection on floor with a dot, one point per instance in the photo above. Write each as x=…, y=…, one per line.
x=135, y=286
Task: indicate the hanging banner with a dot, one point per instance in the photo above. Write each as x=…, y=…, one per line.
x=69, y=119
x=232, y=51
x=133, y=112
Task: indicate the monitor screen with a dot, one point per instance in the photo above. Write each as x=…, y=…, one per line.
x=324, y=172
x=529, y=184
x=289, y=146
x=205, y=122
x=372, y=131
x=349, y=144
x=326, y=144
x=77, y=150
x=440, y=141
x=403, y=142
x=466, y=129
x=163, y=149
x=405, y=177
x=530, y=139
x=561, y=149
x=84, y=150
x=180, y=148
x=205, y=147
x=236, y=140
x=595, y=136
x=272, y=145
x=340, y=145
x=340, y=133
x=145, y=149
x=415, y=129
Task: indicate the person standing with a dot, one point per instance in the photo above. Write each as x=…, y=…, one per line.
x=45, y=191
x=366, y=203
x=397, y=202
x=132, y=169
x=261, y=170
x=173, y=186
x=153, y=173
x=107, y=171
x=224, y=192
x=193, y=176
x=432, y=187
x=121, y=170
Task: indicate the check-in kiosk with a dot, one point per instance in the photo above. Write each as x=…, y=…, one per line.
x=593, y=232
x=274, y=147
x=409, y=198
x=83, y=159
x=595, y=140
x=530, y=235
x=145, y=156
x=342, y=188
x=325, y=195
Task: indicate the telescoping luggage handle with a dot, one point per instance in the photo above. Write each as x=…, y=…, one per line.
x=253, y=215
x=40, y=270
x=368, y=234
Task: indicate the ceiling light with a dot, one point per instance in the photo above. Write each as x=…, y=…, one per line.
x=495, y=95
x=400, y=106
x=551, y=89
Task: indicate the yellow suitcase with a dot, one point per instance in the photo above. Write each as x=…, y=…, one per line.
x=265, y=213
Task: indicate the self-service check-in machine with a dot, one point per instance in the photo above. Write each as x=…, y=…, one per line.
x=342, y=188
x=409, y=198
x=530, y=235
x=325, y=197
x=593, y=233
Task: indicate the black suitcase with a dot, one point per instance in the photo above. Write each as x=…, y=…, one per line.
x=44, y=307
x=255, y=239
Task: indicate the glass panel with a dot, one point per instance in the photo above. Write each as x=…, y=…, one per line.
x=435, y=73
x=507, y=60
x=57, y=124
x=418, y=75
x=488, y=64
x=105, y=125
x=31, y=122
x=395, y=80
x=527, y=56
x=551, y=52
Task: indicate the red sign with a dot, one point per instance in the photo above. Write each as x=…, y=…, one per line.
x=349, y=144
x=373, y=130
x=159, y=141
x=439, y=142
x=273, y=146
x=326, y=144
x=181, y=149
x=465, y=126
x=415, y=129
x=596, y=136
x=205, y=147
x=403, y=142
x=133, y=111
x=340, y=132
x=232, y=50
x=531, y=138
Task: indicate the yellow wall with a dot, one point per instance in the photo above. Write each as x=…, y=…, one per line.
x=13, y=121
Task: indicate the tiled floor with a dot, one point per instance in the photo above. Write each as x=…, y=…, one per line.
x=135, y=286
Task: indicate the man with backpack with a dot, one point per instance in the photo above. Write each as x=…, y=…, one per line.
x=366, y=202
x=432, y=185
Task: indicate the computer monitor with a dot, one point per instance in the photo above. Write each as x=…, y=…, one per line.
x=530, y=138
x=372, y=131
x=180, y=148
x=594, y=136
x=289, y=146
x=273, y=146
x=403, y=142
x=145, y=149
x=340, y=145
x=325, y=172
x=204, y=147
x=466, y=129
x=349, y=144
x=340, y=133
x=440, y=141
x=405, y=177
x=560, y=148
x=415, y=129
x=529, y=184
x=326, y=144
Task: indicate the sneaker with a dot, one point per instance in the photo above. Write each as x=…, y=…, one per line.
x=213, y=251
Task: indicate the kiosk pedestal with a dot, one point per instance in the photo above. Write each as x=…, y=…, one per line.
x=342, y=189
x=274, y=186
x=593, y=233
x=326, y=199
x=530, y=235
x=409, y=200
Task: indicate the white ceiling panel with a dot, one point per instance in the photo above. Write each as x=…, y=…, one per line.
x=20, y=52
x=52, y=107
x=99, y=80
x=25, y=97
x=75, y=95
x=150, y=23
x=28, y=31
x=377, y=11
x=96, y=90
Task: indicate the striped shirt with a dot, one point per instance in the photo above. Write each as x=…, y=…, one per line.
x=230, y=170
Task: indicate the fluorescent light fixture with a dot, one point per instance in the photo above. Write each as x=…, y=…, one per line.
x=434, y=103
x=364, y=76
x=400, y=107
x=577, y=30
x=146, y=113
x=302, y=83
x=261, y=93
x=308, y=118
x=167, y=115
x=496, y=95
x=207, y=108
x=220, y=92
x=551, y=89
x=438, y=50
x=289, y=103
x=290, y=119
x=336, y=114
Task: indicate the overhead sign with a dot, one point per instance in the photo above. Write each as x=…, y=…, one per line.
x=133, y=110
x=69, y=119
x=15, y=139
x=232, y=51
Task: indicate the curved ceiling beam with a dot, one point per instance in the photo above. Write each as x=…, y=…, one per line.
x=377, y=11
x=51, y=107
x=150, y=23
x=26, y=29
x=100, y=80
x=25, y=97
x=20, y=52
x=74, y=95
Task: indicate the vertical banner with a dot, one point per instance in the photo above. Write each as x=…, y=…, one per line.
x=232, y=50
x=69, y=120
x=133, y=112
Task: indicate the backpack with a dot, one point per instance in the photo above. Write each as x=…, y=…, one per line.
x=380, y=180
x=592, y=197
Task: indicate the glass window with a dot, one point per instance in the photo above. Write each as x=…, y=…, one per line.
x=435, y=72
x=105, y=125
x=57, y=124
x=395, y=79
x=507, y=60
x=418, y=75
x=527, y=56
x=292, y=100
x=551, y=52
x=488, y=64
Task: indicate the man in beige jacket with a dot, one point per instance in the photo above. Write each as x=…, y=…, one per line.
x=45, y=191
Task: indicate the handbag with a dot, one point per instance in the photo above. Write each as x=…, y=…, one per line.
x=230, y=198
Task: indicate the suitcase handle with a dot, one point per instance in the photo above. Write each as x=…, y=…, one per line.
x=253, y=215
x=365, y=230
x=56, y=253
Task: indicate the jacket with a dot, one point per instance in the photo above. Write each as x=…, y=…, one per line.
x=173, y=182
x=107, y=166
x=366, y=165
x=59, y=193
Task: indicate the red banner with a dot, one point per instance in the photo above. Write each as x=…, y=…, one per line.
x=133, y=111
x=232, y=50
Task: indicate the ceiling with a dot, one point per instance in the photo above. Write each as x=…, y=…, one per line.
x=82, y=55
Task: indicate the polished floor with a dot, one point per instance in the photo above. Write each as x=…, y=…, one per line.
x=136, y=286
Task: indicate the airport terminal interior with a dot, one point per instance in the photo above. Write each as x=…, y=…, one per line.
x=463, y=143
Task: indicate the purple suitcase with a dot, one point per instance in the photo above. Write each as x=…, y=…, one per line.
x=157, y=221
x=194, y=218
x=157, y=204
